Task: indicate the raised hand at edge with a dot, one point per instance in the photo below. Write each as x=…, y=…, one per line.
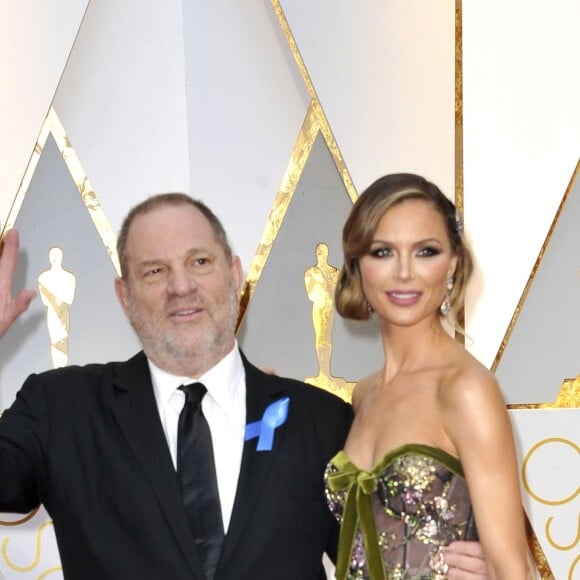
x=10, y=306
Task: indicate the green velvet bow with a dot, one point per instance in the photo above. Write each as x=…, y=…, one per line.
x=358, y=510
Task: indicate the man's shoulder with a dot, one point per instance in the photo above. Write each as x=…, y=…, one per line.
x=88, y=373
x=302, y=395
x=319, y=413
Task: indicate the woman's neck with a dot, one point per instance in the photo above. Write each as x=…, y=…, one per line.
x=411, y=348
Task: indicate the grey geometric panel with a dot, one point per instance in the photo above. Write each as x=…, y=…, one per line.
x=544, y=346
x=53, y=214
x=277, y=329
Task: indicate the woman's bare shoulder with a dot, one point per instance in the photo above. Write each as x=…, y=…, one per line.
x=466, y=377
x=469, y=392
x=471, y=400
x=363, y=387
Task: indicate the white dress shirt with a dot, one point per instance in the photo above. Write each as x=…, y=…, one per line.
x=224, y=407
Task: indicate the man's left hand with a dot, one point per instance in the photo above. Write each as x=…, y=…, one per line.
x=466, y=561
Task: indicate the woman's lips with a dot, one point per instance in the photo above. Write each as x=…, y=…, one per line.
x=404, y=297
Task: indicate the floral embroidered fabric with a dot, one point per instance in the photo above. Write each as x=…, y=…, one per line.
x=397, y=518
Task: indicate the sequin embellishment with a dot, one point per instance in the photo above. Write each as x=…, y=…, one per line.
x=420, y=505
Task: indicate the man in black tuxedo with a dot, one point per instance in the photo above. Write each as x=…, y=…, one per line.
x=100, y=445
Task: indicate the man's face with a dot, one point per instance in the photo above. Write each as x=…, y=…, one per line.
x=181, y=291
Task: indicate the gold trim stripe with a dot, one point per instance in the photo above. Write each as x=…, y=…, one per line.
x=300, y=154
x=528, y=285
x=315, y=121
x=52, y=125
x=459, y=183
x=459, y=187
x=315, y=104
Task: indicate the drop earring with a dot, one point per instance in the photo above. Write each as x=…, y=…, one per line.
x=445, y=307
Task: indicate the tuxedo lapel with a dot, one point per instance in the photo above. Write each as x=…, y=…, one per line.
x=136, y=412
x=261, y=391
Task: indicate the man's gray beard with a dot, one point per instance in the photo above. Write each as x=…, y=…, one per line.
x=171, y=354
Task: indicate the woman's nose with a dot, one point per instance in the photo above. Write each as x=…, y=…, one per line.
x=404, y=268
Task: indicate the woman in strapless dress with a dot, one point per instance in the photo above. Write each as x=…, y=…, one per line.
x=430, y=457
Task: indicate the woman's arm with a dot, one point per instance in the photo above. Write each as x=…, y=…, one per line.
x=477, y=423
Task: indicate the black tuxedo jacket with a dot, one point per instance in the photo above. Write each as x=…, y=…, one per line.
x=87, y=442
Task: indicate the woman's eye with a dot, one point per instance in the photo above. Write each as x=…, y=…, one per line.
x=428, y=252
x=380, y=252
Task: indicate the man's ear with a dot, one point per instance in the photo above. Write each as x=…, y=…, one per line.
x=122, y=292
x=237, y=272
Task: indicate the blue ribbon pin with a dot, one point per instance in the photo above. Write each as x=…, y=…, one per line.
x=275, y=415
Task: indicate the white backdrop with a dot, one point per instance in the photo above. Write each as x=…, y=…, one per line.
x=207, y=98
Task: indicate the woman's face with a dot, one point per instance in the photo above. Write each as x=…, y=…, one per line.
x=405, y=271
